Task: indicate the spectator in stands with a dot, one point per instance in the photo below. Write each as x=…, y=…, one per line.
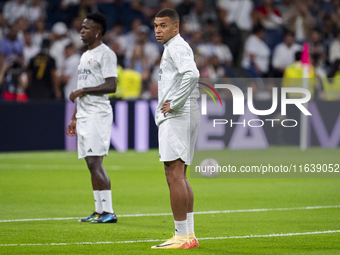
x=316, y=47
x=114, y=33
x=74, y=33
x=30, y=50
x=22, y=25
x=238, y=12
x=3, y=27
x=85, y=7
x=286, y=8
x=129, y=84
x=14, y=9
x=171, y=4
x=270, y=18
x=213, y=70
x=256, y=54
x=69, y=9
x=184, y=8
x=232, y=20
x=140, y=63
x=328, y=32
x=69, y=75
x=331, y=88
x=13, y=81
x=150, y=50
x=336, y=12
x=217, y=48
x=237, y=15
x=152, y=90
x=268, y=15
x=115, y=46
x=65, y=4
x=196, y=41
x=284, y=54
x=42, y=79
x=209, y=29
x=130, y=38
x=11, y=46
x=315, y=10
x=301, y=22
x=334, y=50
x=198, y=16
x=129, y=11
x=36, y=10
x=60, y=40
x=293, y=76
x=40, y=32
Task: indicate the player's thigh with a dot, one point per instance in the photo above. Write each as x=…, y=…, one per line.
x=94, y=136
x=172, y=144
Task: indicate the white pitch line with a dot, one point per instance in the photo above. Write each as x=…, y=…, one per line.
x=204, y=212
x=160, y=240
x=66, y=167
x=53, y=167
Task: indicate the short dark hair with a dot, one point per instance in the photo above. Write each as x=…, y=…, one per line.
x=289, y=33
x=171, y=13
x=69, y=46
x=100, y=19
x=45, y=44
x=298, y=55
x=259, y=28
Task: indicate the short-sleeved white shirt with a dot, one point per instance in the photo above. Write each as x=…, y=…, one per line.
x=259, y=48
x=284, y=56
x=238, y=11
x=95, y=65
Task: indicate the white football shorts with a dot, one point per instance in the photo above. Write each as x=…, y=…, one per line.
x=177, y=137
x=94, y=136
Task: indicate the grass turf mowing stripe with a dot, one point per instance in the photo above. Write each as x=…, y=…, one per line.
x=160, y=240
x=204, y=212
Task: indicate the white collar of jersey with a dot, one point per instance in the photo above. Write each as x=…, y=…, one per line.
x=96, y=47
x=172, y=39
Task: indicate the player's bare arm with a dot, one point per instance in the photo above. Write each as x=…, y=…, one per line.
x=71, y=129
x=109, y=86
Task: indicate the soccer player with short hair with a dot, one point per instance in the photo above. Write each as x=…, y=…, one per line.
x=92, y=118
x=177, y=116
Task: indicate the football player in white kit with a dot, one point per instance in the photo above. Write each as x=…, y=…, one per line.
x=92, y=118
x=177, y=116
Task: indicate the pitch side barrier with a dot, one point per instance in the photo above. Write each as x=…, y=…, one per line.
x=41, y=126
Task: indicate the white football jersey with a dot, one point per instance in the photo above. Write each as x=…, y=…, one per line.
x=95, y=65
x=178, y=77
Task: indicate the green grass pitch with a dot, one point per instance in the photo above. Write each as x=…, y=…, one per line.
x=41, y=185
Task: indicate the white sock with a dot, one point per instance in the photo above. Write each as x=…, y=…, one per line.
x=106, y=199
x=181, y=227
x=97, y=202
x=190, y=219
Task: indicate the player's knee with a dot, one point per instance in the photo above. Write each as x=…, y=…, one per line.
x=173, y=177
x=92, y=164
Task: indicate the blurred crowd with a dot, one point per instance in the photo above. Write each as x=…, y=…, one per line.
x=40, y=44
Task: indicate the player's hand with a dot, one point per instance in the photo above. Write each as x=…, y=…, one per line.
x=76, y=93
x=165, y=108
x=71, y=128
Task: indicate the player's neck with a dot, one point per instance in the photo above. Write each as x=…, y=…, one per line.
x=171, y=38
x=95, y=44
